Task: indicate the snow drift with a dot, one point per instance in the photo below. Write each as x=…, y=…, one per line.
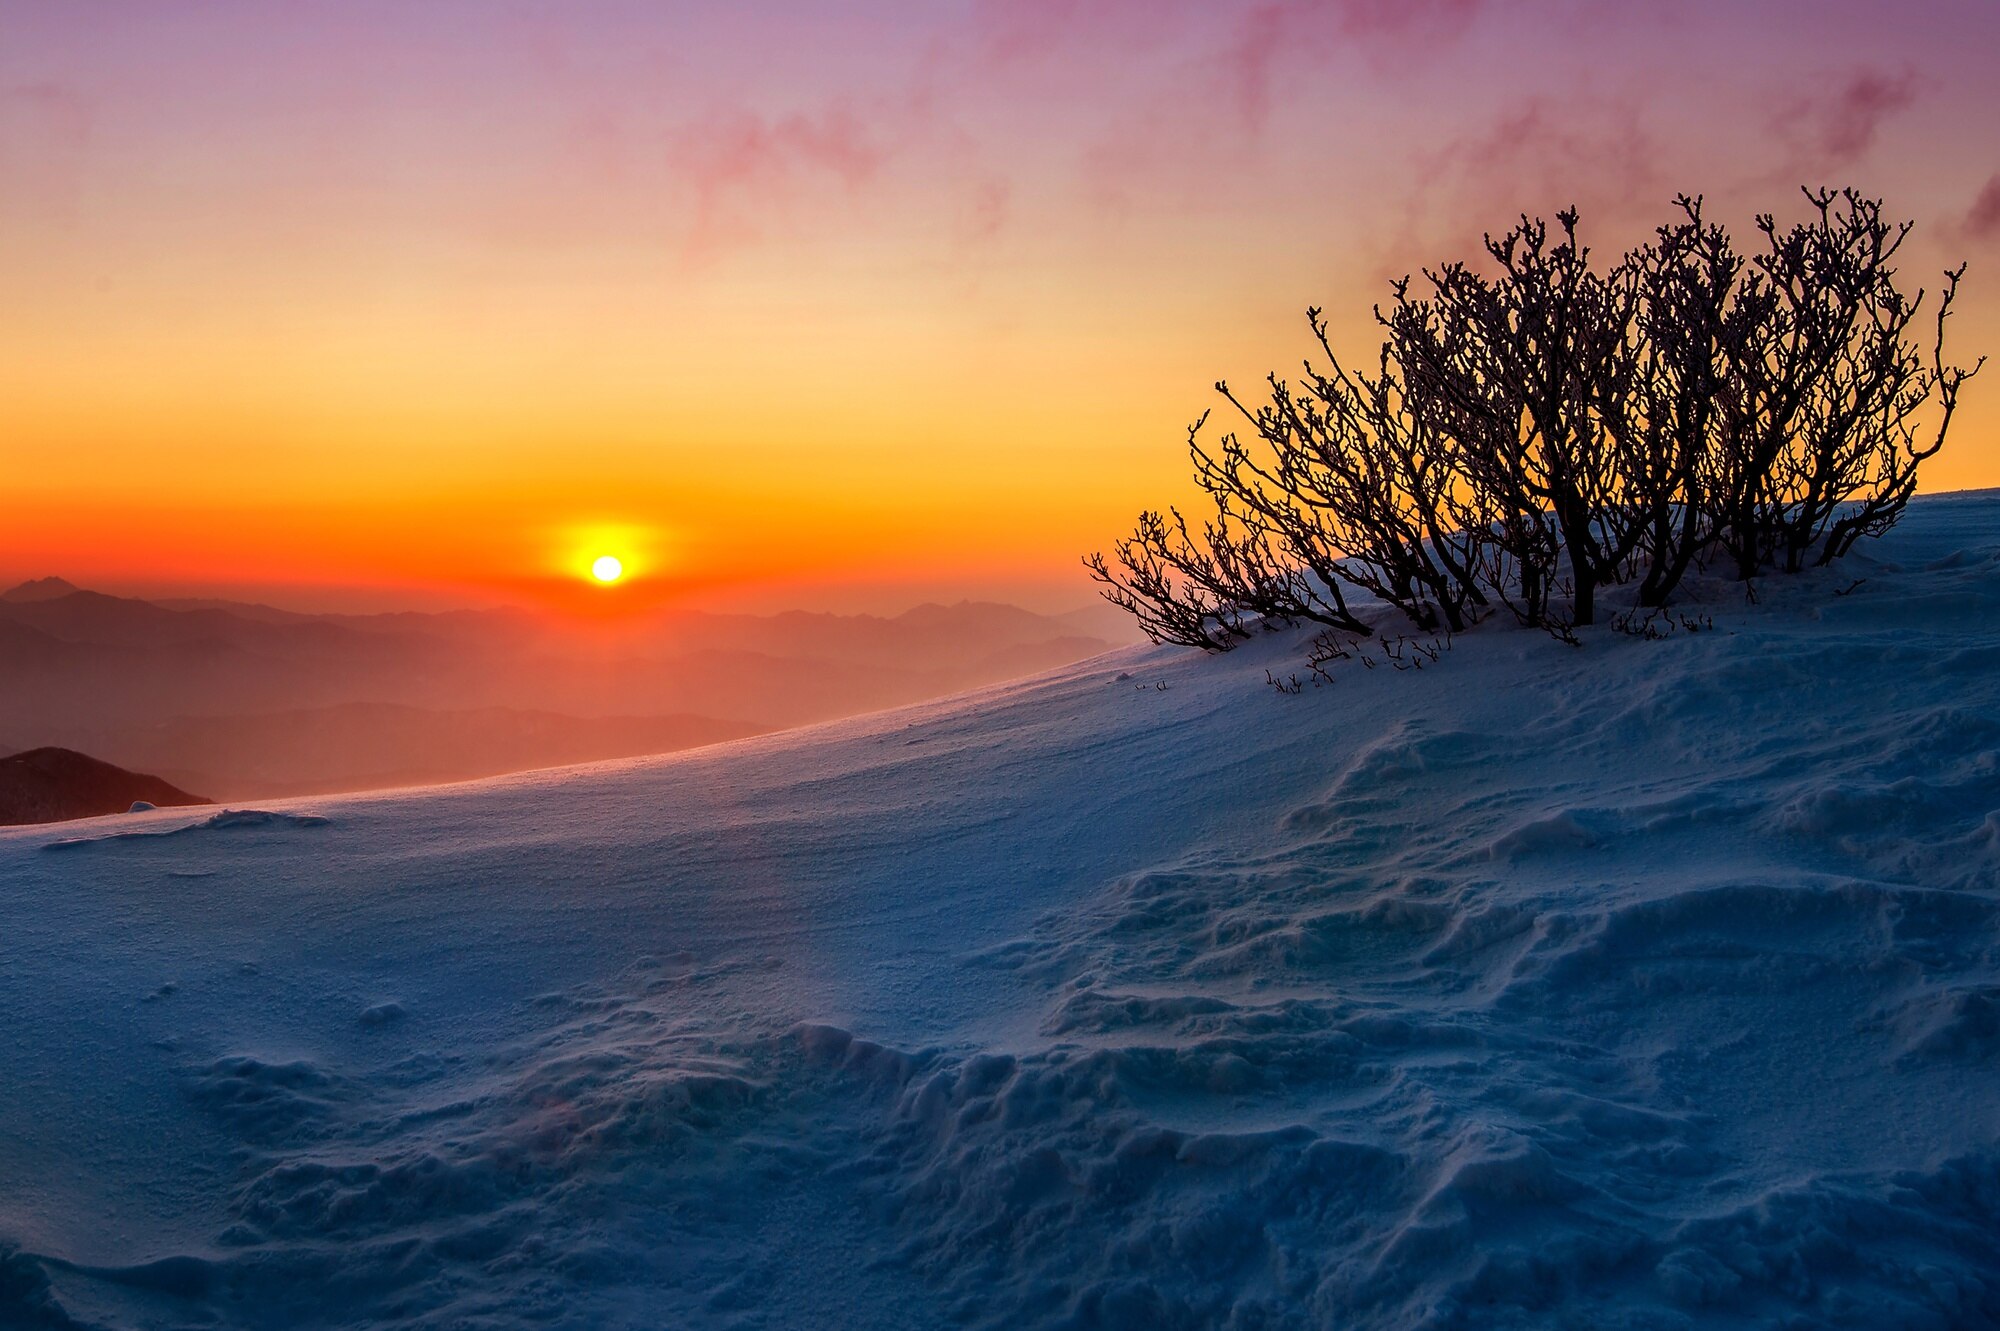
x=1651, y=984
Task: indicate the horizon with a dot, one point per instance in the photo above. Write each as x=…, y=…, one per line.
x=877, y=600
x=867, y=602
x=391, y=305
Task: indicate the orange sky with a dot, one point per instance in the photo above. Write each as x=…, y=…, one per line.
x=372, y=303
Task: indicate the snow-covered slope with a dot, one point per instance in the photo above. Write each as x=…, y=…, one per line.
x=1651, y=984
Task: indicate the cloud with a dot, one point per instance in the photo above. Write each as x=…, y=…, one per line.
x=744, y=167
x=1536, y=157
x=1203, y=115
x=46, y=130
x=1982, y=220
x=56, y=116
x=1241, y=47
x=1015, y=32
x=984, y=213
x=1266, y=34
x=1836, y=125
x=631, y=148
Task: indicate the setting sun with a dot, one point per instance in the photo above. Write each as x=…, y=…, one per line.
x=607, y=569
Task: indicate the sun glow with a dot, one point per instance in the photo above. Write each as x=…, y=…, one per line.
x=598, y=554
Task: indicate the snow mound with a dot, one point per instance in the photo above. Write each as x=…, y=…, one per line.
x=1653, y=984
x=226, y=820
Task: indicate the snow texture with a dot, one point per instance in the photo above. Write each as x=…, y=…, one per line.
x=1648, y=984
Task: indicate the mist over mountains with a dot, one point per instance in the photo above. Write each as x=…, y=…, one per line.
x=239, y=700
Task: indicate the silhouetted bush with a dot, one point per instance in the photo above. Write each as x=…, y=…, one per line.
x=1537, y=430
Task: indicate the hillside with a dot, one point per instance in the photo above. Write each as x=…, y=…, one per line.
x=370, y=746
x=1646, y=984
x=52, y=785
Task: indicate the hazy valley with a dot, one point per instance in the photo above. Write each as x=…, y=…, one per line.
x=237, y=701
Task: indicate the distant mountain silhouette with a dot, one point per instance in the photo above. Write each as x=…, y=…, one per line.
x=39, y=589
x=50, y=785
x=249, y=700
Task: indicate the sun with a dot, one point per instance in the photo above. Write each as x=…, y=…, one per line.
x=607, y=568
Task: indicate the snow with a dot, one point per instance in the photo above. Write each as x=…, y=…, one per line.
x=1647, y=984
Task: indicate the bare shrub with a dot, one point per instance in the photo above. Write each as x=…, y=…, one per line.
x=1538, y=431
x=1830, y=389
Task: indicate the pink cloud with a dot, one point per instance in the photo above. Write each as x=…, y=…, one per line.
x=1837, y=124
x=985, y=212
x=1007, y=32
x=46, y=130
x=1265, y=34
x=744, y=166
x=1536, y=158
x=1248, y=42
x=1982, y=220
x=1188, y=92
x=57, y=116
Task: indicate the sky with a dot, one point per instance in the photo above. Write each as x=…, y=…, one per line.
x=849, y=305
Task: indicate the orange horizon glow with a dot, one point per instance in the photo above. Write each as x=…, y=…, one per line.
x=434, y=305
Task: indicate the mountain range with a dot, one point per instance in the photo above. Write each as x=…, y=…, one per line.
x=241, y=700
